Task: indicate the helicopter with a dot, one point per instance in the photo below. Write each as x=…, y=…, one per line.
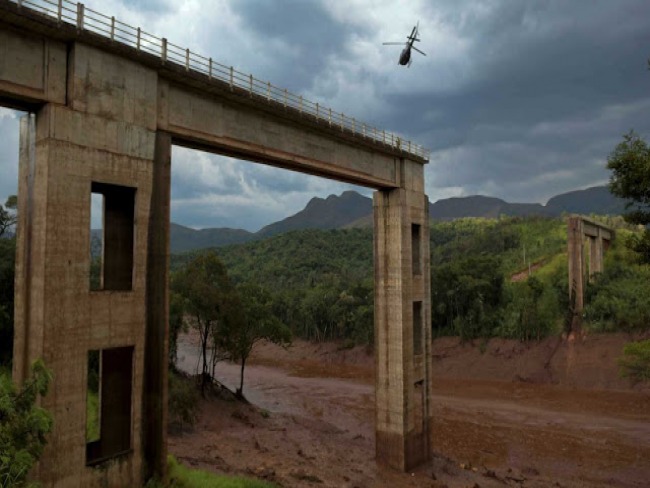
x=405, y=57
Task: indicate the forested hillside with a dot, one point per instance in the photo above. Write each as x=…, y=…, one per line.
x=321, y=281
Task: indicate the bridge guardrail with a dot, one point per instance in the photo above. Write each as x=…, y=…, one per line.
x=108, y=26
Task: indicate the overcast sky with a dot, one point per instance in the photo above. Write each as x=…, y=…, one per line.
x=520, y=100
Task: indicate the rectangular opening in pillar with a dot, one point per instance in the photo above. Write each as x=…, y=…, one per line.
x=417, y=328
x=108, y=404
x=415, y=249
x=112, y=238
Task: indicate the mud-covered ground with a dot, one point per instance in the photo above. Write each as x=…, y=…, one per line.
x=506, y=414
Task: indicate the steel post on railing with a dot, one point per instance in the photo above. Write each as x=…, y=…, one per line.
x=137, y=44
x=300, y=104
x=363, y=130
x=250, y=85
x=268, y=91
x=112, y=28
x=317, y=111
x=286, y=94
x=187, y=59
x=354, y=126
x=330, y=118
x=163, y=50
x=409, y=146
x=342, y=121
x=210, y=68
x=232, y=70
x=384, y=131
x=59, y=13
x=80, y=16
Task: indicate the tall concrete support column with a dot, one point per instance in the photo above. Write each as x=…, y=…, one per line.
x=576, y=265
x=157, y=330
x=402, y=323
x=103, y=141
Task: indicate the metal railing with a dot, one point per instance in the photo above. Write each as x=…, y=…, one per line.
x=89, y=20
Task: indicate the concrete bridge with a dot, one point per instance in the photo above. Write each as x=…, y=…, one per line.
x=106, y=101
x=580, y=231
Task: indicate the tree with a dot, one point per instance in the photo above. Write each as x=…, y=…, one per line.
x=253, y=322
x=8, y=215
x=7, y=272
x=176, y=325
x=630, y=179
x=23, y=425
x=207, y=292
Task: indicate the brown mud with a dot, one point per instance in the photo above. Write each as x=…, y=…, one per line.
x=555, y=413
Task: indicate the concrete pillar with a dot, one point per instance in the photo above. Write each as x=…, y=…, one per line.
x=576, y=266
x=27, y=342
x=58, y=317
x=402, y=325
x=103, y=140
x=157, y=330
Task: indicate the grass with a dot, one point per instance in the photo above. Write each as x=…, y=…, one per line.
x=183, y=477
x=635, y=362
x=92, y=416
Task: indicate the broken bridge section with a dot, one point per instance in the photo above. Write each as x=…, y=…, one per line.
x=104, y=115
x=583, y=232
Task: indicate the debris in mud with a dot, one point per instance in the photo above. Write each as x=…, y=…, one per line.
x=263, y=472
x=530, y=471
x=303, y=476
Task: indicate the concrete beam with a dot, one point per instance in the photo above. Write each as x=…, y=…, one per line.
x=203, y=121
x=32, y=68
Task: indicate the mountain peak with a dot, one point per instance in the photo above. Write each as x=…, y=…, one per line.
x=351, y=209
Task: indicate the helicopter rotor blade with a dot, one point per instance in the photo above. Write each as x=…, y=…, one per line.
x=393, y=43
x=416, y=49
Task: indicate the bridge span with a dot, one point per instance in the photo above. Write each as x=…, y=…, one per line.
x=106, y=103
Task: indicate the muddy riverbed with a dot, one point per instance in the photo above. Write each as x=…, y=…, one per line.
x=555, y=414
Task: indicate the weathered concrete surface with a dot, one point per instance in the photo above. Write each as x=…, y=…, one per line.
x=579, y=231
x=403, y=379
x=105, y=117
x=32, y=69
x=58, y=318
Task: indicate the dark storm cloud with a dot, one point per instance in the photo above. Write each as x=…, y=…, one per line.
x=553, y=87
x=305, y=29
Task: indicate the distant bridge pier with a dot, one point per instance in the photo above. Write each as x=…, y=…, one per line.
x=582, y=231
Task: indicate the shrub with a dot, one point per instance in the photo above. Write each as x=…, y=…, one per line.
x=618, y=300
x=183, y=400
x=532, y=313
x=635, y=362
x=23, y=426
